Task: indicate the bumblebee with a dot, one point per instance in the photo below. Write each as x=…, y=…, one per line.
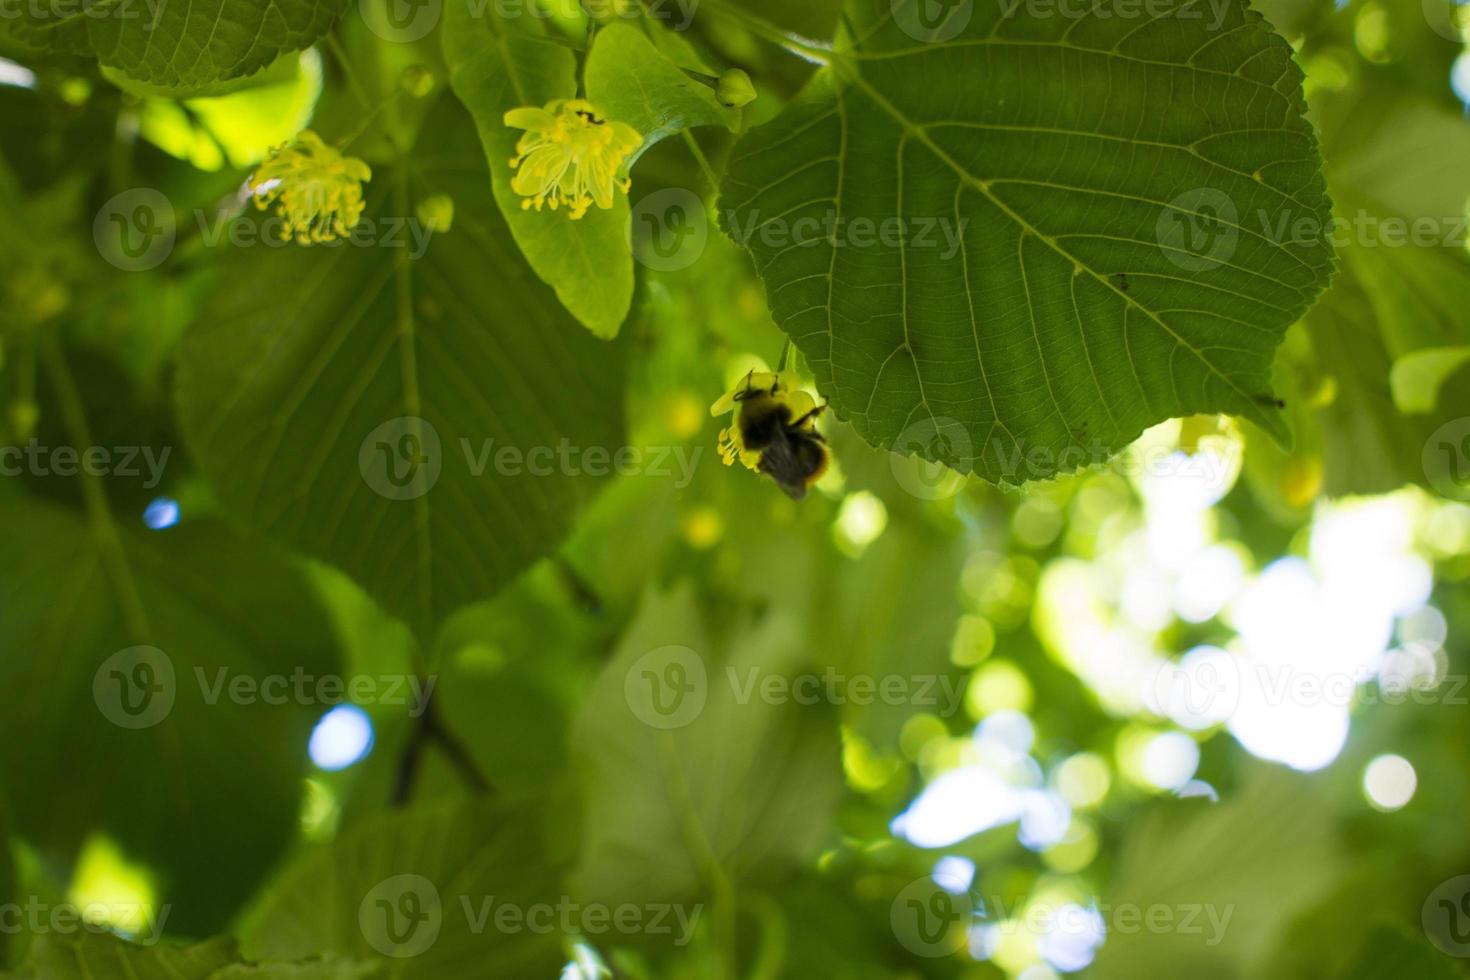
x=774, y=432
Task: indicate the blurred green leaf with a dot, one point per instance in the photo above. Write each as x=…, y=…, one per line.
x=237, y=125
x=103, y=741
x=89, y=955
x=1201, y=888
x=7, y=872
x=1075, y=263
x=1389, y=951
x=422, y=891
x=893, y=616
x=696, y=776
x=1417, y=377
x=1392, y=158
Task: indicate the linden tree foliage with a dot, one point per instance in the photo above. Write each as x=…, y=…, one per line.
x=356, y=363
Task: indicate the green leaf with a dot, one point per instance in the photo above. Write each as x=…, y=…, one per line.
x=1236, y=869
x=1416, y=378
x=1392, y=157
x=633, y=82
x=495, y=67
x=707, y=781
x=420, y=890
x=317, y=369
x=180, y=47
x=1390, y=951
x=1050, y=232
x=98, y=956
x=7, y=871
x=84, y=750
x=893, y=615
x=282, y=70
x=237, y=127
x=88, y=955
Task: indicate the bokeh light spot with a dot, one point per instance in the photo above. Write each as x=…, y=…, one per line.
x=342, y=737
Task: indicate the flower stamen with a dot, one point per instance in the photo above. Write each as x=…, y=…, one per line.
x=571, y=154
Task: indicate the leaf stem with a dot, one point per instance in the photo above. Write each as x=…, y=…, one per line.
x=430, y=730
x=334, y=44
x=804, y=48
x=94, y=496
x=698, y=152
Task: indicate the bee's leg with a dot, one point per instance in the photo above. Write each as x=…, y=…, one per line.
x=744, y=393
x=809, y=416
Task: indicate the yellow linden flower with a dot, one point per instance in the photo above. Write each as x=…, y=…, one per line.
x=570, y=154
x=315, y=189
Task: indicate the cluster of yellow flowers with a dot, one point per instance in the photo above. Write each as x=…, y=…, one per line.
x=316, y=191
x=571, y=154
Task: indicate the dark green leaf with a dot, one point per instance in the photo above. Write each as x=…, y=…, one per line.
x=1082, y=221
x=420, y=890
x=317, y=367
x=83, y=749
x=179, y=47
x=89, y=955
x=696, y=775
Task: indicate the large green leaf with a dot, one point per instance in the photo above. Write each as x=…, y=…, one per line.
x=696, y=777
x=497, y=65
x=178, y=46
x=90, y=955
x=316, y=366
x=83, y=750
x=1396, y=163
x=1202, y=888
x=7, y=870
x=421, y=891
x=1083, y=226
x=1391, y=951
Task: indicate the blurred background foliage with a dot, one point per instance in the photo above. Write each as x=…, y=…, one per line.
x=1062, y=775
